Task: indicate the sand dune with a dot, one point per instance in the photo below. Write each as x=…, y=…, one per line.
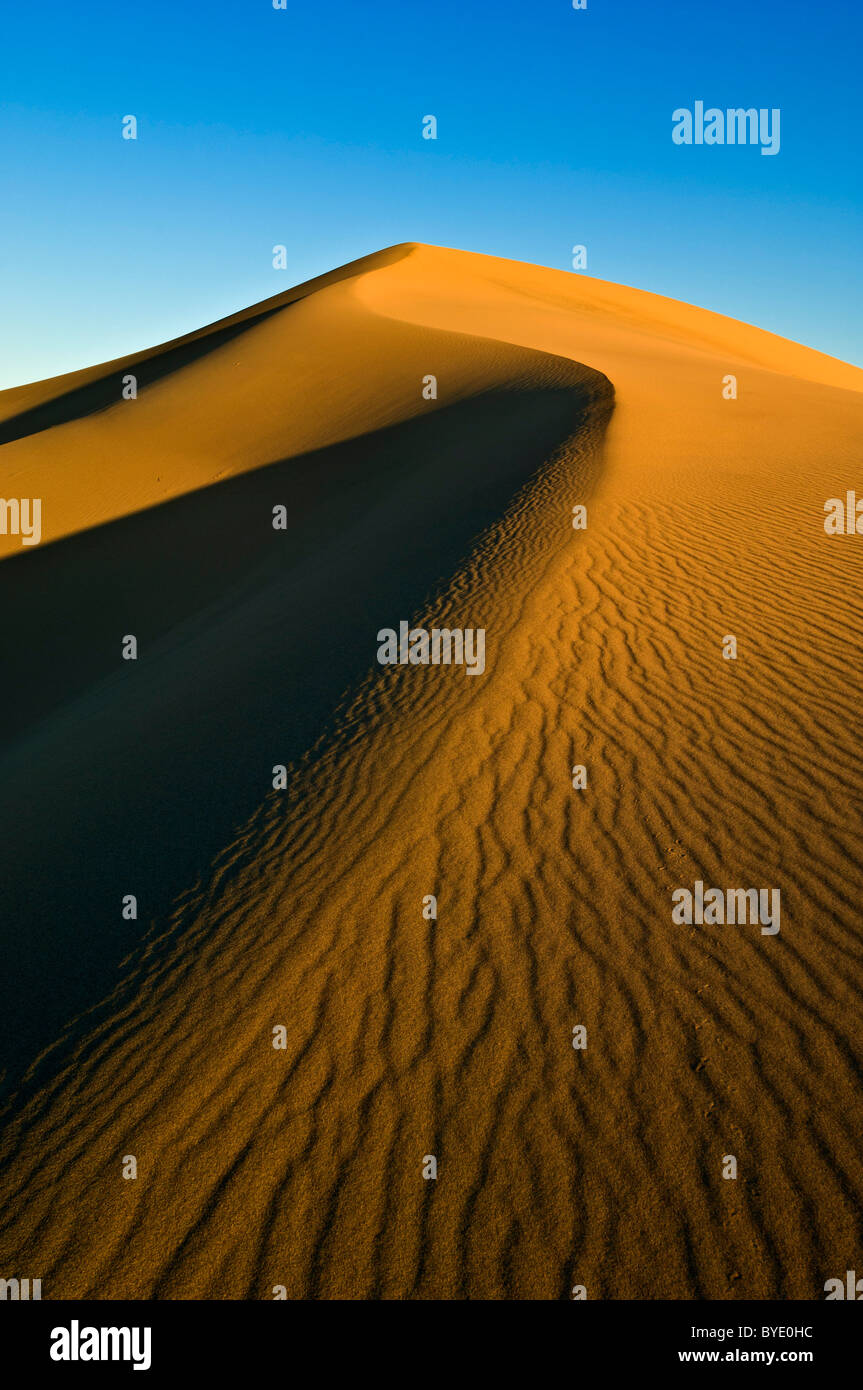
x=302, y=1167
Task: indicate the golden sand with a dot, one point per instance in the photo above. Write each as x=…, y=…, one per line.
x=302, y=1167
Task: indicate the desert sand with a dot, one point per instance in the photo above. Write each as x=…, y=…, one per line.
x=301, y=1168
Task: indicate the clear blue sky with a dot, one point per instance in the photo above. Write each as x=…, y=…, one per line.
x=303, y=127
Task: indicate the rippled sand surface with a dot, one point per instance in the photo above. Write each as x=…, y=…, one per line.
x=302, y=1167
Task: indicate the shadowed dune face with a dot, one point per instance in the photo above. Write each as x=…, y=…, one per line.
x=252, y=637
x=406, y=1037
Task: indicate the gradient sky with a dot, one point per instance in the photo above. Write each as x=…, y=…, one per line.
x=303, y=127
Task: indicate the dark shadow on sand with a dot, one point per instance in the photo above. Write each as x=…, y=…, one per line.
x=129, y=777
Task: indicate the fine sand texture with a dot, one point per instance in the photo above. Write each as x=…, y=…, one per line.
x=300, y=1168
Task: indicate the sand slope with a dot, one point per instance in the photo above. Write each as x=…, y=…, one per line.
x=302, y=1167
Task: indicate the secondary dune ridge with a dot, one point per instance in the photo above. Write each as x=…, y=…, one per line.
x=302, y=1168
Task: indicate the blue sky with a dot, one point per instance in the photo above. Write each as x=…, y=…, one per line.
x=303, y=127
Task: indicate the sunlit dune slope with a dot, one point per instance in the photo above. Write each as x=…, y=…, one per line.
x=301, y=1168
x=237, y=394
